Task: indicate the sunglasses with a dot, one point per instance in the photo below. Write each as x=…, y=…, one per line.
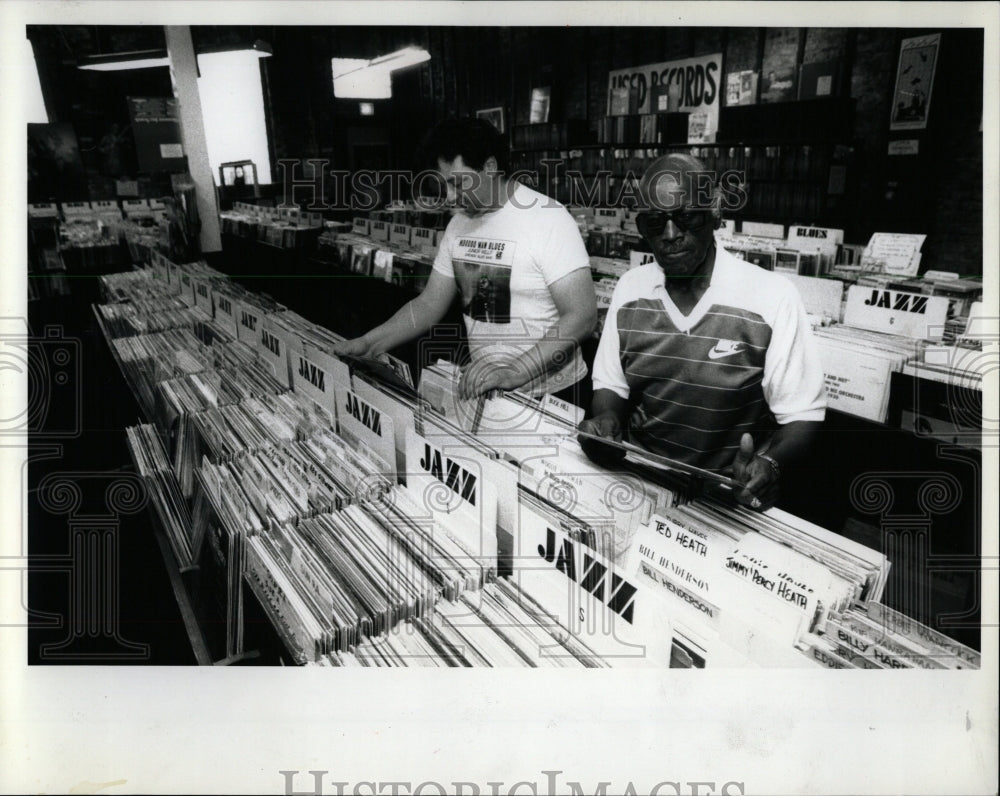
x=651, y=223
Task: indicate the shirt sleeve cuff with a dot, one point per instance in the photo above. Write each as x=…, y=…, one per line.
x=621, y=392
x=550, y=280
x=811, y=415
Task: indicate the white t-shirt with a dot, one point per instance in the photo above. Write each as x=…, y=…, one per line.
x=504, y=262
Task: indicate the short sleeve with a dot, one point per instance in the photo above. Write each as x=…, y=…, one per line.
x=794, y=385
x=608, y=373
x=562, y=249
x=442, y=260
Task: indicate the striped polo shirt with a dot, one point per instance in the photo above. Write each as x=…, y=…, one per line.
x=742, y=360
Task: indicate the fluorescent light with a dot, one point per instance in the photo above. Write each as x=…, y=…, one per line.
x=408, y=56
x=353, y=79
x=367, y=108
x=259, y=48
x=360, y=78
x=144, y=59
x=345, y=66
x=136, y=59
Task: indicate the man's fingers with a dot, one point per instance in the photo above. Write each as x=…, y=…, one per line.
x=602, y=427
x=474, y=381
x=758, y=483
x=745, y=453
x=760, y=492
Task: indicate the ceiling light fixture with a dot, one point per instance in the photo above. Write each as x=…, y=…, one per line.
x=361, y=78
x=114, y=62
x=408, y=56
x=145, y=59
x=260, y=48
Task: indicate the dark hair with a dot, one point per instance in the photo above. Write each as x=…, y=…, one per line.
x=474, y=139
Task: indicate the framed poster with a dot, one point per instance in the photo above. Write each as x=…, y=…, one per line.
x=494, y=116
x=157, y=132
x=911, y=100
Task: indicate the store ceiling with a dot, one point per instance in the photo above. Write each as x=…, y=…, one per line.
x=71, y=43
x=75, y=42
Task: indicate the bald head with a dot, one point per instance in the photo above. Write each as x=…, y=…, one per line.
x=675, y=181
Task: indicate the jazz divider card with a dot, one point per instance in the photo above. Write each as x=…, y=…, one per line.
x=365, y=425
x=318, y=375
x=587, y=594
x=400, y=413
x=451, y=485
x=275, y=344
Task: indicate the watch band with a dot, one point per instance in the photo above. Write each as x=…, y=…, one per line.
x=775, y=468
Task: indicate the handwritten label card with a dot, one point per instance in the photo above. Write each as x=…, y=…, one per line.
x=895, y=253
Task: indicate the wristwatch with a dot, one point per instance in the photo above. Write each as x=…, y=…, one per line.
x=774, y=465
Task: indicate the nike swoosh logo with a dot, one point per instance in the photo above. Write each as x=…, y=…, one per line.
x=728, y=351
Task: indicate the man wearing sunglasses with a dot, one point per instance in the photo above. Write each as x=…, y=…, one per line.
x=705, y=358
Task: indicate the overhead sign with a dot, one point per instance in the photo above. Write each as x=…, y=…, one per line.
x=695, y=81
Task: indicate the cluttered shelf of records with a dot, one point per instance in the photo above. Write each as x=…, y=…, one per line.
x=395, y=245
x=46, y=270
x=781, y=180
x=89, y=235
x=284, y=227
x=378, y=524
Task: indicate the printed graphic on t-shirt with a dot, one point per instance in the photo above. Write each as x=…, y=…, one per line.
x=482, y=270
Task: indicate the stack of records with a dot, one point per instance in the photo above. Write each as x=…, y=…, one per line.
x=250, y=423
x=188, y=394
x=857, y=364
x=502, y=627
x=752, y=587
x=250, y=380
x=866, y=570
x=147, y=316
x=228, y=352
x=287, y=416
x=959, y=365
x=152, y=466
x=438, y=392
x=146, y=360
x=133, y=285
x=409, y=644
x=226, y=431
x=316, y=338
x=179, y=400
x=877, y=637
x=333, y=580
x=541, y=439
x=303, y=478
x=451, y=568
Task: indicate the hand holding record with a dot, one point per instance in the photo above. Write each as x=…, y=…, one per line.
x=759, y=475
x=605, y=425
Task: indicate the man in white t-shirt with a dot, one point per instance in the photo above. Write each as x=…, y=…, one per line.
x=519, y=264
x=705, y=358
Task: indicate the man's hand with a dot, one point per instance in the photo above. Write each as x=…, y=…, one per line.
x=361, y=347
x=605, y=425
x=758, y=476
x=483, y=376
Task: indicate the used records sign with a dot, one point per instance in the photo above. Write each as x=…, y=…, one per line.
x=690, y=84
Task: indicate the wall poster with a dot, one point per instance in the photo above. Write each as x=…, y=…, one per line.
x=911, y=100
